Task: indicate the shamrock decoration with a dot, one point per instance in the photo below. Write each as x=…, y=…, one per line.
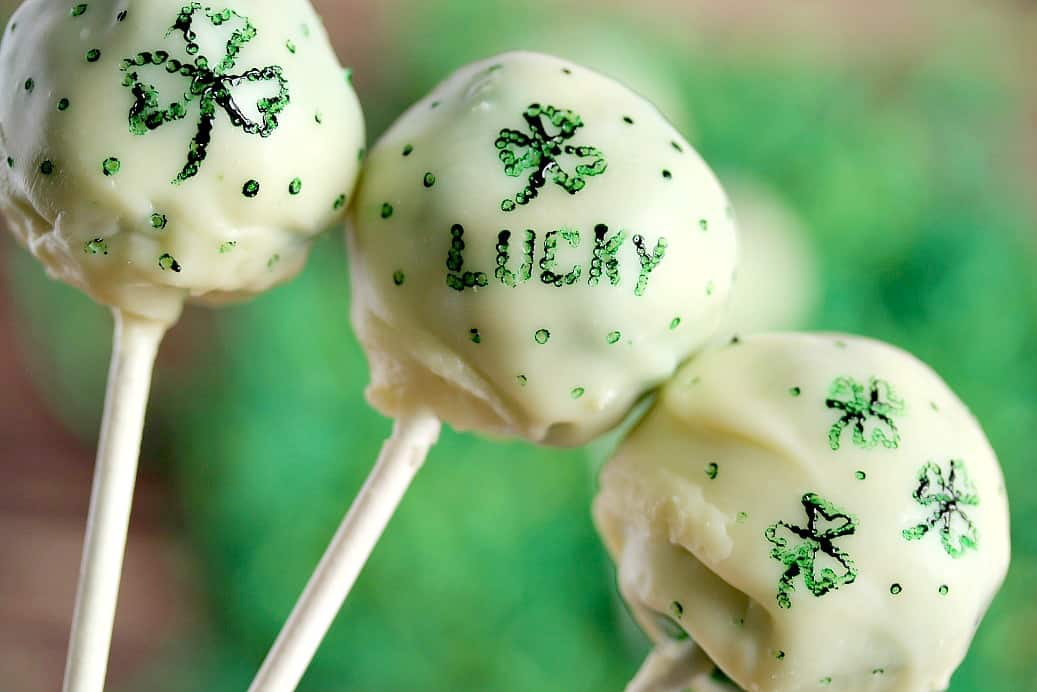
x=878, y=401
x=803, y=557
x=947, y=496
x=542, y=154
x=208, y=83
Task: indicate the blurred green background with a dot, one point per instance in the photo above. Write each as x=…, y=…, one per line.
x=901, y=138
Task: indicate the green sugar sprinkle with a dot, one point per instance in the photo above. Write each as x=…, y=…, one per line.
x=111, y=166
x=318, y=117
x=896, y=589
x=628, y=120
x=408, y=150
x=795, y=391
x=710, y=288
x=677, y=147
x=824, y=682
x=121, y=16
x=228, y=246
x=712, y=470
x=387, y=210
x=944, y=590
x=63, y=104
x=613, y=338
x=429, y=180
x=349, y=75
x=167, y=262
x=78, y=10
x=522, y=380
x=159, y=221
x=339, y=202
x=10, y=162
x=542, y=336
x=475, y=336
x=295, y=187
x=667, y=174
x=30, y=84
x=675, y=323
x=47, y=167
x=398, y=277
x=97, y=246
x=677, y=609
x=704, y=224
x=577, y=392
x=290, y=46
x=860, y=475
x=742, y=517
x=779, y=655
x=93, y=55
x=250, y=189
x=272, y=261
x=360, y=154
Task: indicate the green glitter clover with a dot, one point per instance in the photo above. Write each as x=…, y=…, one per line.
x=210, y=84
x=878, y=401
x=803, y=558
x=542, y=154
x=947, y=495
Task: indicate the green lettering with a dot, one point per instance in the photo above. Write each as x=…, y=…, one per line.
x=648, y=263
x=549, y=263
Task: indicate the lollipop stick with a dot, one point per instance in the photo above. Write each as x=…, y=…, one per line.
x=401, y=457
x=134, y=348
x=674, y=666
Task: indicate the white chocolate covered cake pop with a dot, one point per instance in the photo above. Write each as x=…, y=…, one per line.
x=164, y=149
x=534, y=247
x=813, y=511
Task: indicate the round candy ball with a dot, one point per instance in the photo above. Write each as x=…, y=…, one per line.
x=811, y=510
x=533, y=248
x=163, y=150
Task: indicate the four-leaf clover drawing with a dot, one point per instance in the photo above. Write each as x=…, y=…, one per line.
x=209, y=83
x=811, y=550
x=877, y=401
x=946, y=495
x=543, y=152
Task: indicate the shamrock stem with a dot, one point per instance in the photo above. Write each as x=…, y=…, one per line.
x=402, y=456
x=134, y=349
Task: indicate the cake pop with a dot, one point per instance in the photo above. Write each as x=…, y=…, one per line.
x=158, y=152
x=809, y=510
x=533, y=248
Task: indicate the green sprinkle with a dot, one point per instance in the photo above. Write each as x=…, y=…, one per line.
x=30, y=84
x=896, y=589
x=398, y=277
x=944, y=590
x=295, y=187
x=742, y=517
x=121, y=16
x=795, y=391
x=840, y=344
x=361, y=153
x=933, y=406
x=290, y=46
x=710, y=288
x=522, y=380
x=711, y=471
x=47, y=167
x=349, y=75
x=318, y=117
x=704, y=224
x=475, y=336
x=340, y=202
x=824, y=682
x=10, y=162
x=250, y=189
x=434, y=105
x=387, y=210
x=93, y=55
x=430, y=180
x=408, y=150
x=167, y=262
x=305, y=28
x=675, y=323
x=78, y=10
x=228, y=246
x=159, y=221
x=63, y=105
x=677, y=609
x=667, y=174
x=111, y=166
x=677, y=146
x=613, y=338
x=860, y=475
x=577, y=392
x=779, y=655
x=542, y=336
x=879, y=671
x=97, y=246
x=272, y=261
x=628, y=120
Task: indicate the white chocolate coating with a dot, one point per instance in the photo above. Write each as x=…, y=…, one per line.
x=558, y=350
x=121, y=213
x=708, y=505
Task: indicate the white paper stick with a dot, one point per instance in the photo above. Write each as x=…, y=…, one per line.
x=134, y=348
x=401, y=457
x=674, y=667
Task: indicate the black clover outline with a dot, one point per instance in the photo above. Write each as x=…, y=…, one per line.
x=859, y=403
x=950, y=495
x=801, y=558
x=210, y=85
x=542, y=154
